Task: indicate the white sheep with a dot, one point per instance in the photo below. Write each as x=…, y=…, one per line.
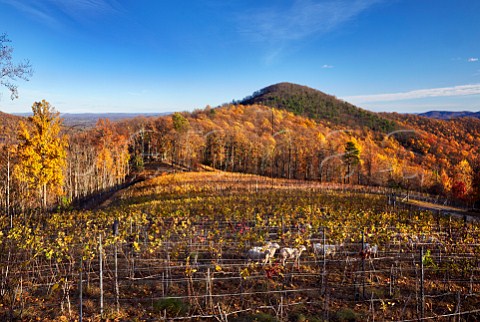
x=287, y=253
x=327, y=250
x=413, y=240
x=263, y=253
x=432, y=240
x=369, y=250
x=270, y=252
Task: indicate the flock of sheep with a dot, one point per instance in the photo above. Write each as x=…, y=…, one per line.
x=266, y=254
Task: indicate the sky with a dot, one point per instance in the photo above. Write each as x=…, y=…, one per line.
x=155, y=56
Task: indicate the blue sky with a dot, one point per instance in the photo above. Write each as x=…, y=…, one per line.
x=159, y=56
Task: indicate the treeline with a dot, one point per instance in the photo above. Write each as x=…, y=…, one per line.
x=271, y=142
x=45, y=164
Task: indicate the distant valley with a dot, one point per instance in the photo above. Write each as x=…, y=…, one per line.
x=90, y=119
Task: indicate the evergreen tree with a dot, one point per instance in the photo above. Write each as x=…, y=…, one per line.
x=351, y=158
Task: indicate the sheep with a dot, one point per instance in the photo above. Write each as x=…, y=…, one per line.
x=270, y=252
x=400, y=238
x=256, y=253
x=432, y=240
x=263, y=253
x=327, y=250
x=415, y=241
x=369, y=250
x=291, y=253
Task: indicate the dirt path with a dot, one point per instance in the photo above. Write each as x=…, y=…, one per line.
x=454, y=211
x=106, y=198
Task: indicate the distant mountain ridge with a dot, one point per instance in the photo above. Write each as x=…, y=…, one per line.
x=89, y=119
x=92, y=118
x=312, y=103
x=448, y=115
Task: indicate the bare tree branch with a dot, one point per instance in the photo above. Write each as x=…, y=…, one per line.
x=9, y=71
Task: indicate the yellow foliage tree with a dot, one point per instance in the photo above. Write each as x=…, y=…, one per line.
x=463, y=173
x=42, y=152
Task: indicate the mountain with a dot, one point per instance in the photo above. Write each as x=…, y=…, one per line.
x=312, y=103
x=446, y=115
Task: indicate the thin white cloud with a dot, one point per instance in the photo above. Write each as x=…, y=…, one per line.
x=472, y=59
x=327, y=66
x=138, y=93
x=303, y=19
x=461, y=90
x=79, y=10
x=34, y=9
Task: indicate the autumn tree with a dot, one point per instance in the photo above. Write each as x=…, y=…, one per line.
x=181, y=126
x=463, y=177
x=351, y=158
x=214, y=149
x=82, y=175
x=112, y=154
x=476, y=187
x=9, y=195
x=42, y=152
x=9, y=71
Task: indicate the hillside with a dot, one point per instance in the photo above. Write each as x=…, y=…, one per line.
x=454, y=139
x=8, y=125
x=317, y=105
x=7, y=118
x=425, y=154
x=447, y=115
x=243, y=138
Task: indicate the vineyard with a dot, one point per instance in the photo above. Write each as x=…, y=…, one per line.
x=174, y=247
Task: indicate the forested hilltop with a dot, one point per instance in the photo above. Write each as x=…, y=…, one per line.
x=312, y=103
x=310, y=136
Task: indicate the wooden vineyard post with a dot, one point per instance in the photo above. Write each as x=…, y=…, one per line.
x=439, y=228
x=80, y=288
x=363, y=264
x=100, y=259
x=209, y=299
x=167, y=279
x=117, y=291
x=9, y=214
x=458, y=307
x=242, y=289
x=280, y=311
x=325, y=306
x=450, y=234
x=163, y=284
x=422, y=290
x=392, y=281
x=324, y=270
x=471, y=284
